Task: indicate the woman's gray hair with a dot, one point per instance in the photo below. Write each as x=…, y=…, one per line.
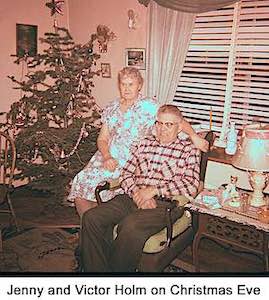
x=130, y=72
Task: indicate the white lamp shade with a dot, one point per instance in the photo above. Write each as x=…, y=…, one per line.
x=253, y=151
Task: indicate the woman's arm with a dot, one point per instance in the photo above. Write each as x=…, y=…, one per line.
x=103, y=146
x=198, y=142
x=102, y=142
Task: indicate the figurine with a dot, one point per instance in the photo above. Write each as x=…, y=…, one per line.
x=231, y=187
x=231, y=192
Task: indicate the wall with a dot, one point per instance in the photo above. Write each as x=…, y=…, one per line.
x=33, y=12
x=86, y=15
x=82, y=17
x=219, y=173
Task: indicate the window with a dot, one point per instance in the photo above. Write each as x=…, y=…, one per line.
x=227, y=67
x=250, y=97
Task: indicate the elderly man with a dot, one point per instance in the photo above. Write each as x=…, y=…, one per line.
x=161, y=165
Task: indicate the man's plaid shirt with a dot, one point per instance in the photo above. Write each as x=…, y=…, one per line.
x=172, y=168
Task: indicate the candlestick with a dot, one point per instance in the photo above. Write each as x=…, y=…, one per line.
x=210, y=118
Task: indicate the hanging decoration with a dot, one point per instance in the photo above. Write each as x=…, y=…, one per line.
x=70, y=110
x=19, y=121
x=132, y=19
x=36, y=151
x=56, y=151
x=59, y=153
x=83, y=134
x=104, y=35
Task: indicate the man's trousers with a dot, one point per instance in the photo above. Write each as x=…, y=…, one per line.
x=100, y=253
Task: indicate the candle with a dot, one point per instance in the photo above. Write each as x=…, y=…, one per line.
x=210, y=119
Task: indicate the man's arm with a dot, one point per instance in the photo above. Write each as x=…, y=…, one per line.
x=187, y=183
x=199, y=142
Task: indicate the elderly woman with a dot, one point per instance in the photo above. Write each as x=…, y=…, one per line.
x=125, y=121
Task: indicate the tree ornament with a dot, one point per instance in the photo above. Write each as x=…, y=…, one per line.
x=55, y=25
x=63, y=167
x=35, y=154
x=56, y=151
x=70, y=108
x=56, y=7
x=62, y=154
x=85, y=134
x=81, y=135
x=19, y=121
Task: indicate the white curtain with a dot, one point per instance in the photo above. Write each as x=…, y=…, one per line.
x=169, y=34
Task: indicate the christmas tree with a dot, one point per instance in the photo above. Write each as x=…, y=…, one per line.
x=56, y=121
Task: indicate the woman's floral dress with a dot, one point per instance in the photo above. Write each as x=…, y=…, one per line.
x=125, y=129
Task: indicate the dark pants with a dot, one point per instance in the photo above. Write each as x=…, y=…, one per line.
x=100, y=253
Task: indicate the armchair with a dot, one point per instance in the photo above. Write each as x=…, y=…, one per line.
x=163, y=247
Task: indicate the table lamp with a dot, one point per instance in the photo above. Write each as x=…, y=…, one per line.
x=252, y=155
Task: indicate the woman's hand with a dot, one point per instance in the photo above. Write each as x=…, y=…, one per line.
x=200, y=143
x=110, y=164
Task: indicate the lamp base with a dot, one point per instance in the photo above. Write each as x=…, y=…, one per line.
x=258, y=183
x=257, y=201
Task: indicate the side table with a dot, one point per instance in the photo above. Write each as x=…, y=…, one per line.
x=232, y=229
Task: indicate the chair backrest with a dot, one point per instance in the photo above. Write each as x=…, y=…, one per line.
x=7, y=159
x=210, y=136
x=7, y=168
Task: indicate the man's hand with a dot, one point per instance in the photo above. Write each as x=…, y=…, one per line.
x=110, y=164
x=144, y=194
x=149, y=204
x=200, y=143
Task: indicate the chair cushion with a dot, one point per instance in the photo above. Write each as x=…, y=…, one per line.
x=156, y=242
x=114, y=184
x=181, y=200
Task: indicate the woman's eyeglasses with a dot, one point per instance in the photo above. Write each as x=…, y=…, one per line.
x=168, y=125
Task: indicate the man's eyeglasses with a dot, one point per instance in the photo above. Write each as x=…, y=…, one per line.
x=168, y=125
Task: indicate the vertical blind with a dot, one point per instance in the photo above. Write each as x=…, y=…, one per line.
x=233, y=40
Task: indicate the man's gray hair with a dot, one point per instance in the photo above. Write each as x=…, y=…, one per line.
x=171, y=109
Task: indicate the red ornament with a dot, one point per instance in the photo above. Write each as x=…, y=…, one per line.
x=19, y=121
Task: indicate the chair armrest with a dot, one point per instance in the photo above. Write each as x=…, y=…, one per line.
x=178, y=202
x=101, y=187
x=107, y=185
x=169, y=225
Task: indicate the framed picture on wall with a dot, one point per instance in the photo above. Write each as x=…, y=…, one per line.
x=135, y=57
x=106, y=70
x=26, y=40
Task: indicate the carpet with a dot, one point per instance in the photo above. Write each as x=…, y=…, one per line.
x=39, y=250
